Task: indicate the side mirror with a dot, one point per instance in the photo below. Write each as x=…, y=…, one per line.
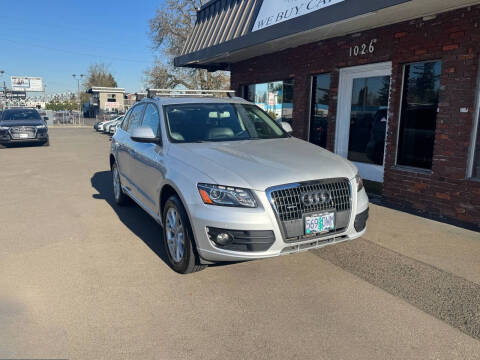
x=45, y=118
x=144, y=135
x=287, y=127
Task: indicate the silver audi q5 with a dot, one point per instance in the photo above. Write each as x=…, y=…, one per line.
x=228, y=183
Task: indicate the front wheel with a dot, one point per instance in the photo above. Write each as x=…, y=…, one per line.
x=178, y=238
x=120, y=197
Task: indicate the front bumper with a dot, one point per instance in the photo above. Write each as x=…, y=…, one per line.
x=40, y=137
x=264, y=219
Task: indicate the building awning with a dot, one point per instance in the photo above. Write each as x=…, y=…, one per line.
x=229, y=31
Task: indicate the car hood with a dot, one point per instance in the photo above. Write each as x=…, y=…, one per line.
x=260, y=164
x=21, y=123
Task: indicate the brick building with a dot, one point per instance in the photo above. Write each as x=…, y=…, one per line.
x=392, y=85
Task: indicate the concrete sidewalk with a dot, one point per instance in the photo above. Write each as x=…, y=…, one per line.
x=444, y=246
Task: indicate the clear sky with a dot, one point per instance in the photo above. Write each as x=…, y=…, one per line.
x=57, y=38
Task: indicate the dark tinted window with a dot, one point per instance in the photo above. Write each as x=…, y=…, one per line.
x=319, y=111
x=21, y=114
x=419, y=114
x=151, y=118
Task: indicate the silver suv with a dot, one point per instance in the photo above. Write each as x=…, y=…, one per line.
x=228, y=183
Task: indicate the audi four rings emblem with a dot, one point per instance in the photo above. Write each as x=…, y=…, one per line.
x=320, y=197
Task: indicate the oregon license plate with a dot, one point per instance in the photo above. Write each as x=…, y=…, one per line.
x=315, y=224
x=23, y=136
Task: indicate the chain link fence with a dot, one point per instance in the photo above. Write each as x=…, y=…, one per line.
x=68, y=118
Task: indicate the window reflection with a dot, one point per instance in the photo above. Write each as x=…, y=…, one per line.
x=476, y=157
x=275, y=98
x=419, y=114
x=368, y=119
x=320, y=102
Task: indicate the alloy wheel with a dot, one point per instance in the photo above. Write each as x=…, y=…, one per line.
x=175, y=235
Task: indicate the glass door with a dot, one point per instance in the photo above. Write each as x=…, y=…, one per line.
x=363, y=117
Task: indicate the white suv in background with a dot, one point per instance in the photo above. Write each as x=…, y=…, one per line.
x=228, y=183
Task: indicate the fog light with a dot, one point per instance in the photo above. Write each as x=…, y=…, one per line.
x=223, y=239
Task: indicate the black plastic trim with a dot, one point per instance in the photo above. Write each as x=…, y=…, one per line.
x=244, y=240
x=361, y=221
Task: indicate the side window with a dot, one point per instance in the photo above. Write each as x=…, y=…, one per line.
x=135, y=118
x=151, y=118
x=124, y=124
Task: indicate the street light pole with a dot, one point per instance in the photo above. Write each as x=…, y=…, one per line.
x=4, y=89
x=78, y=94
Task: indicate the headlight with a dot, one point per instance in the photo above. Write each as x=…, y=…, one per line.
x=359, y=181
x=226, y=196
x=4, y=128
x=41, y=127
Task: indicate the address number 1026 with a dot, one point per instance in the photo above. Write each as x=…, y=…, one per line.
x=363, y=49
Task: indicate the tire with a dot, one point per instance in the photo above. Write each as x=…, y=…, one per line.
x=185, y=262
x=46, y=143
x=118, y=194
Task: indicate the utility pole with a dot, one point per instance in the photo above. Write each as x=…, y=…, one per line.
x=4, y=89
x=78, y=93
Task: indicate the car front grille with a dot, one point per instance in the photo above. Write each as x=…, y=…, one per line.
x=290, y=208
x=289, y=205
x=23, y=132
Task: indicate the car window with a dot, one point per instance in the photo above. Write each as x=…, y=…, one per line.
x=21, y=114
x=151, y=118
x=135, y=117
x=220, y=122
x=124, y=123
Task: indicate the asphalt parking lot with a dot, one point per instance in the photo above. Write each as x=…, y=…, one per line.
x=81, y=278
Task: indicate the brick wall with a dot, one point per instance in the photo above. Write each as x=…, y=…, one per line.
x=452, y=37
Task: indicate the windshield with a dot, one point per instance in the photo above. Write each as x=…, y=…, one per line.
x=220, y=122
x=23, y=114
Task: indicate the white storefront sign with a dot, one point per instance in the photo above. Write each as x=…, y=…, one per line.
x=275, y=12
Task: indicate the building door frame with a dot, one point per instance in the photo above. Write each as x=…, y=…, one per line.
x=344, y=107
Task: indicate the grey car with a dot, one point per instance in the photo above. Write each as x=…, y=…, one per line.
x=23, y=126
x=228, y=183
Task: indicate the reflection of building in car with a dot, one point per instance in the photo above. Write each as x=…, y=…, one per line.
x=376, y=145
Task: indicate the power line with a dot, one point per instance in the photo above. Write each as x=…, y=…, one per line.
x=75, y=52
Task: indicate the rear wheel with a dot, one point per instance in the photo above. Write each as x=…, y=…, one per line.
x=120, y=197
x=178, y=238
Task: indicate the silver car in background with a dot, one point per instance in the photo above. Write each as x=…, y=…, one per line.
x=228, y=183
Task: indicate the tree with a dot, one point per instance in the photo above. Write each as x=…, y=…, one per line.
x=170, y=28
x=98, y=75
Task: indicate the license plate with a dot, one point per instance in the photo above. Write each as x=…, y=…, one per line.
x=319, y=223
x=23, y=136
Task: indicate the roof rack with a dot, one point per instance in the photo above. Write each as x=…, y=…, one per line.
x=151, y=93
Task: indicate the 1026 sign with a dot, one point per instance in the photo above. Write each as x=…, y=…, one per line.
x=363, y=49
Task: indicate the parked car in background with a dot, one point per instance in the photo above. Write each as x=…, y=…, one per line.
x=106, y=126
x=23, y=126
x=228, y=183
x=113, y=128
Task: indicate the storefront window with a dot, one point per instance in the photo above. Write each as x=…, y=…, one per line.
x=319, y=117
x=419, y=114
x=476, y=159
x=276, y=98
